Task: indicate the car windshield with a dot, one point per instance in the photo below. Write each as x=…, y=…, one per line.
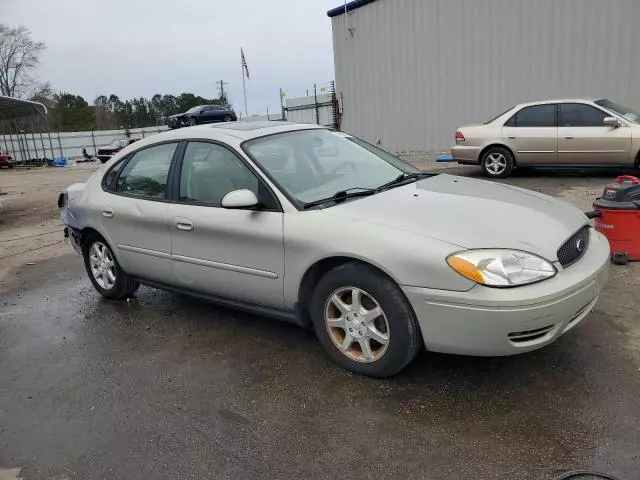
x=311, y=165
x=624, y=112
x=194, y=109
x=116, y=143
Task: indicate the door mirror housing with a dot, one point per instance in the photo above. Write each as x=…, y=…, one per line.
x=611, y=122
x=240, y=199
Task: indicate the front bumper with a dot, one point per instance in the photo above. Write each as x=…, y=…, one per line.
x=491, y=322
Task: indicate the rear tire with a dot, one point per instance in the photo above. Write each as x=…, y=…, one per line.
x=227, y=118
x=357, y=298
x=497, y=162
x=104, y=271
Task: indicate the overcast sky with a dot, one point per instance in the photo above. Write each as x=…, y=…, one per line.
x=137, y=48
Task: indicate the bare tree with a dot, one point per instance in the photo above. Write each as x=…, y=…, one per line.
x=19, y=54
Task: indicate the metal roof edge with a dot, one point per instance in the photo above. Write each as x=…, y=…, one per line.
x=334, y=12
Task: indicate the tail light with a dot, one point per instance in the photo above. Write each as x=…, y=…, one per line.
x=459, y=137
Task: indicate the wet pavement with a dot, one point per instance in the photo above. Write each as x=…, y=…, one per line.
x=167, y=387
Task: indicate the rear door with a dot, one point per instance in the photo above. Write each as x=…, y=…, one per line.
x=532, y=135
x=584, y=139
x=132, y=212
x=232, y=253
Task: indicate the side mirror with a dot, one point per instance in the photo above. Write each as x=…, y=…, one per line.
x=240, y=199
x=611, y=122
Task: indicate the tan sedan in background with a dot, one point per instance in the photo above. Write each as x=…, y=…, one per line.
x=554, y=132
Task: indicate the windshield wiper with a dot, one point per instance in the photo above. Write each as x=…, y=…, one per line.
x=402, y=178
x=342, y=195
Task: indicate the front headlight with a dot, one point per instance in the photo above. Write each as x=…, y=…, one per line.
x=501, y=268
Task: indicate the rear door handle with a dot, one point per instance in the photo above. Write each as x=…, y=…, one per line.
x=107, y=212
x=569, y=137
x=184, y=225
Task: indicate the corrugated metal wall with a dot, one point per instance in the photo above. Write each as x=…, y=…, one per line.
x=412, y=71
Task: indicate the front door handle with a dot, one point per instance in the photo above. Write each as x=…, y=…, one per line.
x=569, y=137
x=512, y=137
x=184, y=225
x=107, y=212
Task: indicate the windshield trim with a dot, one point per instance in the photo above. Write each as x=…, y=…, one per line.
x=599, y=102
x=298, y=205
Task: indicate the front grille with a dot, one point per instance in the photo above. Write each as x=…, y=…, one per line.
x=574, y=248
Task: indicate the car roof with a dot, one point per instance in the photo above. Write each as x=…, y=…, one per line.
x=559, y=100
x=247, y=130
x=231, y=132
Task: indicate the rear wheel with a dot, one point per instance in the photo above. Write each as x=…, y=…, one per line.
x=497, y=162
x=104, y=271
x=364, y=321
x=227, y=118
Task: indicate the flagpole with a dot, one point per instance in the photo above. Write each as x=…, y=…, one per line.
x=244, y=88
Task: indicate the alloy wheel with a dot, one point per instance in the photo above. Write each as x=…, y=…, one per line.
x=357, y=325
x=103, y=267
x=496, y=163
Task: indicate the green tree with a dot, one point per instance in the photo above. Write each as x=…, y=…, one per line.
x=72, y=113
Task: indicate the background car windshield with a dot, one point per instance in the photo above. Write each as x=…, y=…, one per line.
x=311, y=165
x=194, y=109
x=624, y=112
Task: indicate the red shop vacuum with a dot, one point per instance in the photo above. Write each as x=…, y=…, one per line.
x=617, y=216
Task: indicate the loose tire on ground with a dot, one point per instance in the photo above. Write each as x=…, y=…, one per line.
x=497, y=162
x=403, y=338
x=123, y=285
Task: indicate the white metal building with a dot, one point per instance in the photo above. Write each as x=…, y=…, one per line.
x=409, y=72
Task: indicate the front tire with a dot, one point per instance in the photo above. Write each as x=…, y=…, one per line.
x=364, y=321
x=497, y=162
x=104, y=271
x=193, y=121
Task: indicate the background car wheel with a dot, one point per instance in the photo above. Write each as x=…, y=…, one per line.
x=227, y=118
x=104, y=270
x=193, y=121
x=497, y=162
x=364, y=321
x=10, y=166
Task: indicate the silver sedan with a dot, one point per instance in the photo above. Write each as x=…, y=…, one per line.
x=323, y=229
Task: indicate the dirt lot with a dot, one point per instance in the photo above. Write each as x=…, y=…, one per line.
x=30, y=229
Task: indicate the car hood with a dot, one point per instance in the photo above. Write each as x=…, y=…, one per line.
x=470, y=213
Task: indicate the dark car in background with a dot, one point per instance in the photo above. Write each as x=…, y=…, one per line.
x=105, y=153
x=202, y=114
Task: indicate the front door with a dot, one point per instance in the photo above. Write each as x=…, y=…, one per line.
x=584, y=139
x=532, y=135
x=232, y=253
x=133, y=213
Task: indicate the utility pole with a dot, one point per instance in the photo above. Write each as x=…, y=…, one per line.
x=222, y=83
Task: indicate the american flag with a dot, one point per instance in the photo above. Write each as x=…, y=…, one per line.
x=245, y=69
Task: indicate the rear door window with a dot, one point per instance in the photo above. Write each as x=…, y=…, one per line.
x=534, y=116
x=145, y=175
